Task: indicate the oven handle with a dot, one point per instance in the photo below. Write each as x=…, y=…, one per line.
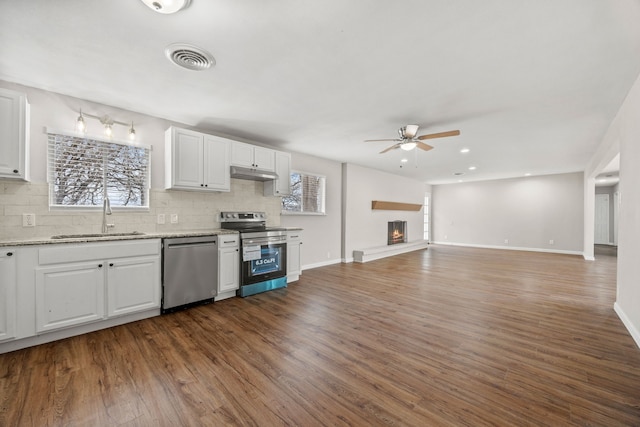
x=265, y=241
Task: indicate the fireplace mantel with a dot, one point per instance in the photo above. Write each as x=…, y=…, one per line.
x=394, y=206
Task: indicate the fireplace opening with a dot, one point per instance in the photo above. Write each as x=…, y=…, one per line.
x=397, y=232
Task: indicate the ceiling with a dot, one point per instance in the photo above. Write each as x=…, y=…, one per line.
x=532, y=86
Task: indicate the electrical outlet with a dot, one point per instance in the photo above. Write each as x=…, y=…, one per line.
x=506, y=241
x=551, y=242
x=160, y=218
x=328, y=255
x=174, y=218
x=29, y=220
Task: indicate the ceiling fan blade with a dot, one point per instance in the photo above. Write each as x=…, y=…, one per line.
x=410, y=131
x=423, y=146
x=439, y=135
x=377, y=140
x=390, y=148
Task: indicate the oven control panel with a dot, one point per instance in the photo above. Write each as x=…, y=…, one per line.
x=242, y=216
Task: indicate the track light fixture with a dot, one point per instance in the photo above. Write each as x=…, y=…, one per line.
x=106, y=121
x=80, y=124
x=132, y=132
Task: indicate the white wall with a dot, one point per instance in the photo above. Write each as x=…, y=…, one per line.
x=365, y=228
x=321, y=235
x=624, y=133
x=196, y=210
x=528, y=212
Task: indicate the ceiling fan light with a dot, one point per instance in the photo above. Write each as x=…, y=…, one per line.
x=408, y=146
x=167, y=6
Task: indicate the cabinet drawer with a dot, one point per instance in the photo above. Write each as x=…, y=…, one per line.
x=65, y=253
x=294, y=236
x=228, y=240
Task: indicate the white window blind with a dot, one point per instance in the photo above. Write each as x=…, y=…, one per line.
x=307, y=194
x=81, y=170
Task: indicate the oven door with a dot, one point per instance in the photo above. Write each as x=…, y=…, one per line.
x=263, y=259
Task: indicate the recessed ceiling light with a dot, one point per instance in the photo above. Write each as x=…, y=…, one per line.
x=472, y=168
x=167, y=6
x=404, y=160
x=464, y=150
x=527, y=174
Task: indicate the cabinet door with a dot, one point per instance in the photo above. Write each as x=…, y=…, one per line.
x=14, y=135
x=294, y=243
x=228, y=269
x=69, y=294
x=133, y=284
x=187, y=162
x=282, y=185
x=242, y=154
x=216, y=167
x=264, y=159
x=8, y=299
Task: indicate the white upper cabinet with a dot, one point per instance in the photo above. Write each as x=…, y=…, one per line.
x=14, y=135
x=196, y=161
x=282, y=185
x=252, y=156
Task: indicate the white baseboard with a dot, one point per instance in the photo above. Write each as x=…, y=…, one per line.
x=321, y=264
x=635, y=334
x=512, y=248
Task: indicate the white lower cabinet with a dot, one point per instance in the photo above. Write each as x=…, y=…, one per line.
x=228, y=265
x=133, y=284
x=78, y=284
x=8, y=286
x=294, y=243
x=69, y=295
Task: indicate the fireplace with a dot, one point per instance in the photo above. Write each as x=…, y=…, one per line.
x=396, y=232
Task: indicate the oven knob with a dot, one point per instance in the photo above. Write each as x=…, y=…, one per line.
x=235, y=215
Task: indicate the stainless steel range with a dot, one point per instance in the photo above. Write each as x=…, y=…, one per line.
x=263, y=252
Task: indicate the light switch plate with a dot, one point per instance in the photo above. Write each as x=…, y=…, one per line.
x=160, y=218
x=174, y=218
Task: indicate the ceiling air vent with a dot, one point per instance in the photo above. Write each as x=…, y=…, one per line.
x=189, y=57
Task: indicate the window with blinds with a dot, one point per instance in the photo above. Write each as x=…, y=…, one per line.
x=82, y=170
x=307, y=194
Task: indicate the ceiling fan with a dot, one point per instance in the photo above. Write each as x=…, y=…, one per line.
x=408, y=139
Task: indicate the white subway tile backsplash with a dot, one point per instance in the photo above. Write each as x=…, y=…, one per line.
x=196, y=210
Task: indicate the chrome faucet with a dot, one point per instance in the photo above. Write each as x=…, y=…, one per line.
x=106, y=210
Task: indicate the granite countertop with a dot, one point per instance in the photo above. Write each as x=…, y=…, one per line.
x=84, y=238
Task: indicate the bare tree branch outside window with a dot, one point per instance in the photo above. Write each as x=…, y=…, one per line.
x=307, y=194
x=81, y=168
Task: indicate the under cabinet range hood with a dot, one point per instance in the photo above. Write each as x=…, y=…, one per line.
x=252, y=174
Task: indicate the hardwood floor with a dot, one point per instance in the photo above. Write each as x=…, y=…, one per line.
x=449, y=336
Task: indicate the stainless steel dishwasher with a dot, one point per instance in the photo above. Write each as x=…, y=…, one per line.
x=189, y=272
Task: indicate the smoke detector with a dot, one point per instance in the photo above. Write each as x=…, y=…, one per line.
x=189, y=57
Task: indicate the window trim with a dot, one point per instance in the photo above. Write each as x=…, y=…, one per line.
x=324, y=195
x=106, y=140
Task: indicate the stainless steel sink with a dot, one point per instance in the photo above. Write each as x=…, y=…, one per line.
x=92, y=235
